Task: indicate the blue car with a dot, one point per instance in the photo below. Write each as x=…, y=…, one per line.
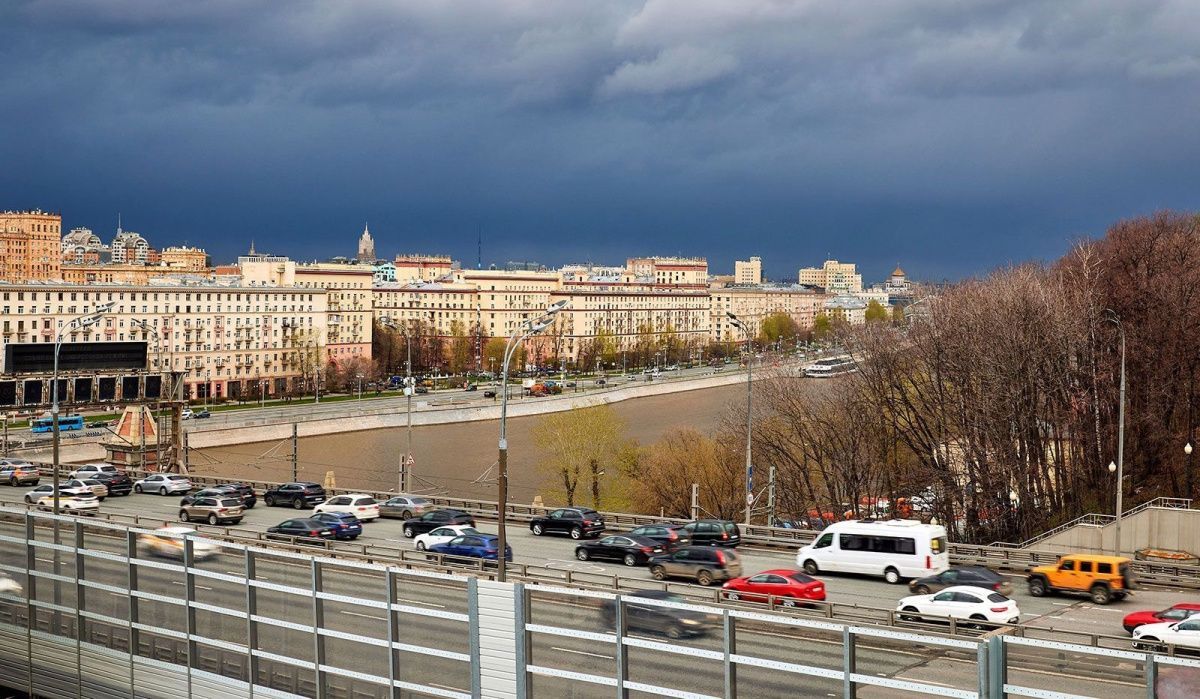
x=472, y=546
x=345, y=525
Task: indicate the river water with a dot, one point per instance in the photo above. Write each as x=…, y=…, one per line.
x=451, y=458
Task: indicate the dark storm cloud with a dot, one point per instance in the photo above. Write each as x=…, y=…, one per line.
x=948, y=136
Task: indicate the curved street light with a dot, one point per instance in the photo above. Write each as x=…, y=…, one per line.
x=741, y=325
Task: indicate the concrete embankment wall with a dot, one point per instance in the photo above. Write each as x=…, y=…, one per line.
x=1156, y=527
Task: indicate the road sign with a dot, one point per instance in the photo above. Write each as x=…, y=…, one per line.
x=409, y=461
x=749, y=498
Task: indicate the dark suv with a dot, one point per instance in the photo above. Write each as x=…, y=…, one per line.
x=713, y=532
x=299, y=495
x=671, y=536
x=240, y=490
x=704, y=564
x=576, y=521
x=118, y=483
x=437, y=518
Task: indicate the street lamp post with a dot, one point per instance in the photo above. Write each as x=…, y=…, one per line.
x=409, y=388
x=740, y=325
x=1119, y=466
x=158, y=403
x=207, y=388
x=527, y=329
x=78, y=323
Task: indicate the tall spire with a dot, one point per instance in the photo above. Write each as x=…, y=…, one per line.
x=251, y=253
x=118, y=223
x=366, y=228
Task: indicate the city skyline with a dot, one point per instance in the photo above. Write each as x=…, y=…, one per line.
x=951, y=139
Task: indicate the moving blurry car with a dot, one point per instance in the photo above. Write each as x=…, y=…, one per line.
x=961, y=602
x=576, y=521
x=484, y=546
x=18, y=472
x=1176, y=612
x=72, y=504
x=784, y=584
x=299, y=494
x=168, y=543
x=704, y=564
x=9, y=586
x=630, y=550
x=432, y=520
x=443, y=534
x=973, y=576
x=345, y=526
x=360, y=505
x=671, y=536
x=163, y=484
x=305, y=529
x=641, y=614
x=405, y=506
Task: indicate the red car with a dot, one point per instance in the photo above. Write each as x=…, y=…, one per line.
x=1176, y=612
x=785, y=584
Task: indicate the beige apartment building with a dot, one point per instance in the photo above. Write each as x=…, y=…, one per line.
x=185, y=258
x=116, y=273
x=670, y=271
x=424, y=268
x=748, y=271
x=833, y=276
x=437, y=305
x=30, y=246
x=752, y=304
x=228, y=340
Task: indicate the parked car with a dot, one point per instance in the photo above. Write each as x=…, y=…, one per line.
x=671, y=536
x=163, y=484
x=305, y=530
x=714, y=532
x=92, y=470
x=973, y=576
x=961, y=602
x=1183, y=635
x=17, y=472
x=442, y=534
x=1103, y=578
x=299, y=495
x=345, y=525
x=168, y=543
x=630, y=550
x=118, y=483
x=578, y=522
x=432, y=520
x=783, y=584
x=83, y=504
x=215, y=509
x=405, y=506
x=641, y=614
x=360, y=505
x=704, y=564
x=486, y=546
x=1176, y=612
x=187, y=414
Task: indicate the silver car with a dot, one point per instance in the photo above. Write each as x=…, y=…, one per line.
x=405, y=507
x=163, y=484
x=65, y=490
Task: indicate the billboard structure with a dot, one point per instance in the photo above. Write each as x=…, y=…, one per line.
x=38, y=357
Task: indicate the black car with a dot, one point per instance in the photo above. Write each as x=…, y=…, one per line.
x=432, y=520
x=118, y=483
x=713, y=532
x=305, y=529
x=489, y=393
x=213, y=492
x=345, y=525
x=671, y=536
x=974, y=576
x=630, y=550
x=243, y=490
x=201, y=414
x=576, y=521
x=299, y=495
x=422, y=389
x=641, y=614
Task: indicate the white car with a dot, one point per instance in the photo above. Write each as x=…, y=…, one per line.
x=961, y=602
x=163, y=484
x=10, y=586
x=168, y=543
x=361, y=505
x=73, y=505
x=186, y=414
x=1183, y=634
x=65, y=490
x=90, y=470
x=442, y=534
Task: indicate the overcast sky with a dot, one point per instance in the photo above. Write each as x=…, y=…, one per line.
x=949, y=137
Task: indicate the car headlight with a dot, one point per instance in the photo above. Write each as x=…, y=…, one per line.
x=691, y=622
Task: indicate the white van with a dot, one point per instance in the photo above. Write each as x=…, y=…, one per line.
x=894, y=548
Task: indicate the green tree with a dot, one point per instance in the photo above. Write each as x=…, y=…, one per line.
x=779, y=326
x=584, y=448
x=876, y=312
x=898, y=315
x=822, y=326
x=460, y=347
x=493, y=356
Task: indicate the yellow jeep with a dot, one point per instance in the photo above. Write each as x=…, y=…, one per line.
x=1103, y=578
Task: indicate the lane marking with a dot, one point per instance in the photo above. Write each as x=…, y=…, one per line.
x=365, y=616
x=583, y=652
x=198, y=587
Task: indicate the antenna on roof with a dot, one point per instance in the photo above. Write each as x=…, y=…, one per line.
x=118, y=223
x=478, y=246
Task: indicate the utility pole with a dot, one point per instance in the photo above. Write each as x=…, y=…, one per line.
x=185, y=454
x=771, y=499
x=695, y=501
x=295, y=455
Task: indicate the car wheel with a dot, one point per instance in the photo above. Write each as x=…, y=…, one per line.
x=298, y=503
x=1101, y=594
x=658, y=572
x=409, y=533
x=789, y=602
x=13, y=482
x=630, y=560
x=704, y=577
x=537, y=530
x=406, y=514
x=911, y=616
x=212, y=519
x=581, y=553
x=1037, y=587
x=270, y=501
x=674, y=632
x=420, y=545
x=922, y=590
x=28, y=500
x=978, y=618
x=891, y=575
x=577, y=533
x=183, y=516
x=811, y=568
x=733, y=596
x=137, y=489
x=1146, y=643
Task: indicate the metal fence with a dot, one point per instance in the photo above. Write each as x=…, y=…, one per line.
x=108, y=611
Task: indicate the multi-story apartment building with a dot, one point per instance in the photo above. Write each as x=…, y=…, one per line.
x=116, y=273
x=185, y=258
x=30, y=249
x=507, y=299
x=833, y=276
x=748, y=271
x=673, y=271
x=366, y=246
x=752, y=304
x=130, y=248
x=425, y=268
x=441, y=306
x=227, y=339
x=77, y=245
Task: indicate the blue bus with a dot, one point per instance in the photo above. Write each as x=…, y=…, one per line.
x=46, y=424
